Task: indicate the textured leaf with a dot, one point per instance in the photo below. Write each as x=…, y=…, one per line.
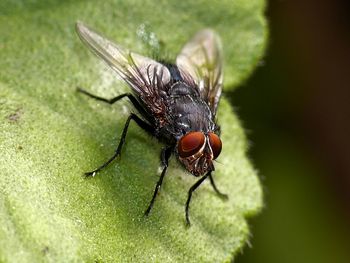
x=50, y=135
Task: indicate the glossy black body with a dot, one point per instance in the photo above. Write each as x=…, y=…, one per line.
x=185, y=110
x=173, y=104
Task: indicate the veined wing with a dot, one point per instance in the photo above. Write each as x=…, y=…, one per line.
x=201, y=58
x=145, y=76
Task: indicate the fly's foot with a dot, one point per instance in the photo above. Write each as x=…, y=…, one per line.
x=222, y=196
x=146, y=213
x=90, y=174
x=188, y=222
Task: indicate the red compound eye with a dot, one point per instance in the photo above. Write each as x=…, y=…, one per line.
x=190, y=144
x=215, y=144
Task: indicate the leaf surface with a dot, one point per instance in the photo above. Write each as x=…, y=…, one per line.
x=50, y=135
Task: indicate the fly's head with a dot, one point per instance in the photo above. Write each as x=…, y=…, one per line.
x=197, y=150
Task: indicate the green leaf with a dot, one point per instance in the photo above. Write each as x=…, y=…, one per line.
x=50, y=135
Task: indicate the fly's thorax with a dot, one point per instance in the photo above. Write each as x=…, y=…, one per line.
x=180, y=88
x=186, y=111
x=197, y=150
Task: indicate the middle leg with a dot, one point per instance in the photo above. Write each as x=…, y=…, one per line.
x=144, y=125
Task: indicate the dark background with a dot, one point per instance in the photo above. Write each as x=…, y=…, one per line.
x=296, y=110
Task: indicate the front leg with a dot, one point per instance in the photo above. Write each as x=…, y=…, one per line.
x=165, y=155
x=221, y=195
x=192, y=189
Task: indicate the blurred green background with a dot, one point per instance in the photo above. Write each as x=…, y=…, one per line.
x=296, y=110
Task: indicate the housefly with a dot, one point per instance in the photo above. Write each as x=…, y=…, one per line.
x=176, y=103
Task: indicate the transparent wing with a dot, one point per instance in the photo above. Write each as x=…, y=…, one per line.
x=145, y=76
x=201, y=58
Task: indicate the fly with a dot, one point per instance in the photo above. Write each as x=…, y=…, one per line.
x=176, y=103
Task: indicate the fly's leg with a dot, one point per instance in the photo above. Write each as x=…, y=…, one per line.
x=165, y=155
x=223, y=196
x=192, y=189
x=133, y=100
x=109, y=101
x=144, y=125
